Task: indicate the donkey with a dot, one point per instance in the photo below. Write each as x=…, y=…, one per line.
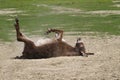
x=54, y=48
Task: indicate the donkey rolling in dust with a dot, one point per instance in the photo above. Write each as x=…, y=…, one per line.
x=52, y=48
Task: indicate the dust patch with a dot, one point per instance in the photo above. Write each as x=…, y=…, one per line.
x=82, y=33
x=116, y=5
x=75, y=11
x=60, y=9
x=104, y=12
x=116, y=1
x=9, y=11
x=10, y=19
x=104, y=65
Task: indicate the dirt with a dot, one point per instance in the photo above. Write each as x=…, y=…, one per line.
x=9, y=11
x=116, y=3
x=64, y=10
x=104, y=65
x=104, y=12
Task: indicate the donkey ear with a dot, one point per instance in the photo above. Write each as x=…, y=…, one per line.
x=79, y=39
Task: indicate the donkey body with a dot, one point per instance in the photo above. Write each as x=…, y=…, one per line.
x=54, y=48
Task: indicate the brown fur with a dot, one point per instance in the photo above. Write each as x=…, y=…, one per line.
x=53, y=49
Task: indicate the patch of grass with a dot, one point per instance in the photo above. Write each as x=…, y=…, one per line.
x=38, y=15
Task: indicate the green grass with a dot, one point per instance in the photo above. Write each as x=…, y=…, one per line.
x=40, y=17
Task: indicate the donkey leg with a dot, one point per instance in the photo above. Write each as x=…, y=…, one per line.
x=19, y=35
x=29, y=45
x=59, y=33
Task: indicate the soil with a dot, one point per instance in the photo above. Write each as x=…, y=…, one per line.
x=61, y=10
x=9, y=11
x=104, y=65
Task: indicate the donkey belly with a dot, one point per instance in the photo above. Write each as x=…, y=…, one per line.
x=48, y=50
x=54, y=49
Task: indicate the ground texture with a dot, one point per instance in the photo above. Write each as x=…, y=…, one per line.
x=104, y=65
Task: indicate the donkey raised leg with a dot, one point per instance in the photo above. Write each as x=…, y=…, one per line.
x=58, y=33
x=29, y=46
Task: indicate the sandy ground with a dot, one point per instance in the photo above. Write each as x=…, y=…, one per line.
x=104, y=65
